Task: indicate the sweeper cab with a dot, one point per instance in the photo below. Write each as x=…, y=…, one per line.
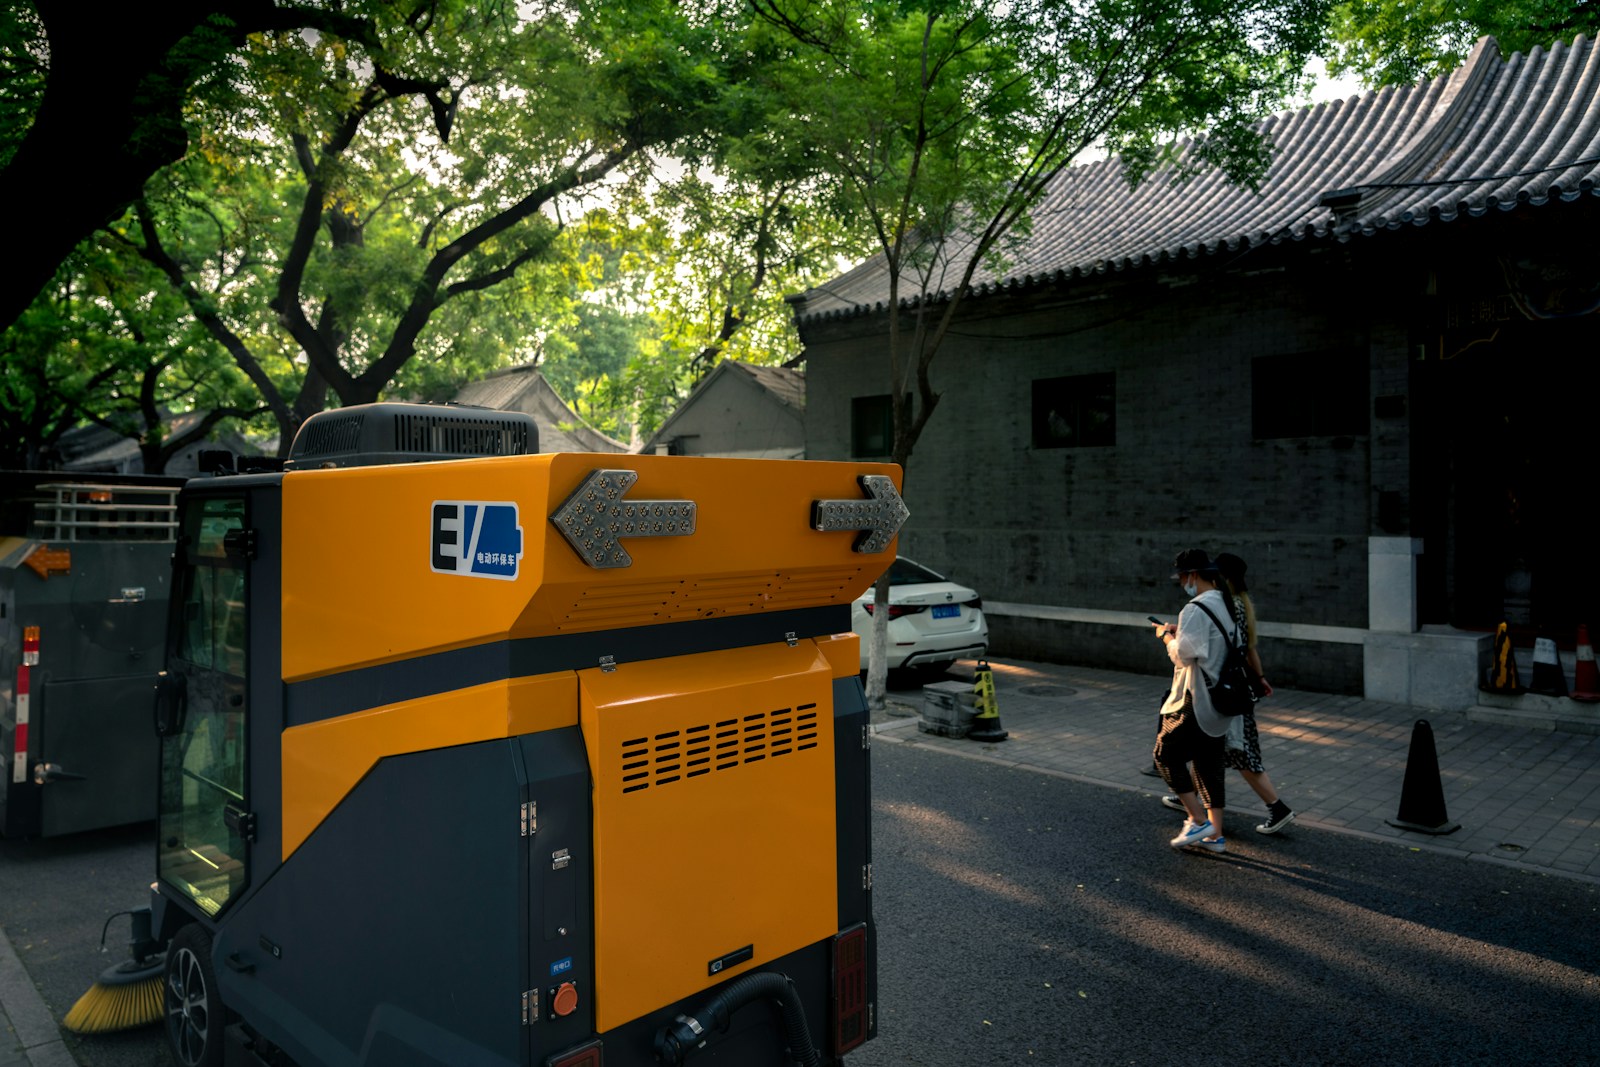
x=545, y=760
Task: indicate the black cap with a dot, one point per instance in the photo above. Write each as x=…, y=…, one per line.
x=1193, y=559
x=1233, y=568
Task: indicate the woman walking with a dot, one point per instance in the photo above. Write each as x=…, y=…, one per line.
x=1191, y=730
x=1246, y=756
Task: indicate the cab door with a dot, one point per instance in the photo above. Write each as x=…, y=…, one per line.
x=203, y=708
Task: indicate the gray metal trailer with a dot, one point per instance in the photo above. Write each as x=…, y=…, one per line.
x=85, y=567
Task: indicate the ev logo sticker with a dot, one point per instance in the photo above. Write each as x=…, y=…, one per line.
x=478, y=538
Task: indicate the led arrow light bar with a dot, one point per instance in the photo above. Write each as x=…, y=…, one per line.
x=880, y=518
x=595, y=518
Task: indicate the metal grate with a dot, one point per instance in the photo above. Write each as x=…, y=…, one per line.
x=332, y=434
x=704, y=598
x=724, y=745
x=86, y=512
x=436, y=434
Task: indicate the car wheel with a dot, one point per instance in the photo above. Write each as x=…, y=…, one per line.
x=194, y=1011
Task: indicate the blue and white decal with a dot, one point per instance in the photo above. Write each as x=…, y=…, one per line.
x=477, y=538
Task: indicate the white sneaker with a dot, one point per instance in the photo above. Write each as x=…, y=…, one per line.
x=1213, y=844
x=1192, y=832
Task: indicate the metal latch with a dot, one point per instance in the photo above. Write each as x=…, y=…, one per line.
x=530, y=818
x=608, y=664
x=242, y=823
x=45, y=773
x=560, y=858
x=241, y=542
x=791, y=639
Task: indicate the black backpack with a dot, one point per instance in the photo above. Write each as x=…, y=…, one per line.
x=1231, y=693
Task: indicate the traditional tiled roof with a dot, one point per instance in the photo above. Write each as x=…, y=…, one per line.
x=785, y=384
x=1492, y=134
x=525, y=389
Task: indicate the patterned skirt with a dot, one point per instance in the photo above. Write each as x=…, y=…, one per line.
x=1250, y=758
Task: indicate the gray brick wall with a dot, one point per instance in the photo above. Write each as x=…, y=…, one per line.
x=1097, y=527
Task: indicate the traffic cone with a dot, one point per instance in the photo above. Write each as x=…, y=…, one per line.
x=986, y=723
x=1586, y=683
x=1502, y=676
x=1422, y=794
x=1547, y=676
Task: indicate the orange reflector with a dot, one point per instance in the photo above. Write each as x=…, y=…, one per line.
x=30, y=646
x=99, y=496
x=849, y=989
x=587, y=1054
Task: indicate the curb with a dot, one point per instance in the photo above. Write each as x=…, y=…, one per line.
x=30, y=1020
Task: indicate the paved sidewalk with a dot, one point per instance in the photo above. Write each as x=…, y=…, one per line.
x=1529, y=799
x=28, y=1034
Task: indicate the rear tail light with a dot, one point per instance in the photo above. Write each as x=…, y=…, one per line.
x=588, y=1054
x=897, y=610
x=849, y=1015
x=975, y=603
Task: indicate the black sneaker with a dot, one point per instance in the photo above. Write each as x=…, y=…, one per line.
x=1276, y=822
x=1171, y=800
x=1151, y=771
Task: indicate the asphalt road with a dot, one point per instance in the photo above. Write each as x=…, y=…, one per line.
x=1030, y=919
x=55, y=897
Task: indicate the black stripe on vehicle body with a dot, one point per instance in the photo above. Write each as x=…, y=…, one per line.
x=442, y=672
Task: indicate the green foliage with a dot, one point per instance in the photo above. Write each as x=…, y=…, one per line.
x=105, y=343
x=938, y=124
x=391, y=218
x=24, y=61
x=1399, y=42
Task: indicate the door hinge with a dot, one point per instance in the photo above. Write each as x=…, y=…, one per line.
x=866, y=737
x=530, y=1007
x=866, y=878
x=608, y=664
x=530, y=818
x=791, y=638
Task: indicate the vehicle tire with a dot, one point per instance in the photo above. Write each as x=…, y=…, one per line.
x=194, y=1014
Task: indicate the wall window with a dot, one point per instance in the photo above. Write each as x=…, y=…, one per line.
x=1309, y=394
x=1075, y=412
x=871, y=426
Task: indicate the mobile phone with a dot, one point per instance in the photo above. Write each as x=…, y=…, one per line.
x=1153, y=619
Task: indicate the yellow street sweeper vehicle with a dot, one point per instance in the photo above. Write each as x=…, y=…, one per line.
x=520, y=759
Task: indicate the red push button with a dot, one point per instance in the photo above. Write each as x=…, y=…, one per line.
x=565, y=1002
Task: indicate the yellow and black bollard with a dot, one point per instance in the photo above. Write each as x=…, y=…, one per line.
x=986, y=723
x=1502, y=676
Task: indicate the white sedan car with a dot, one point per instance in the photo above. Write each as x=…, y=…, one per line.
x=932, y=621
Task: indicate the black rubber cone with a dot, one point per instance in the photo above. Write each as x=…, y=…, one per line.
x=1422, y=794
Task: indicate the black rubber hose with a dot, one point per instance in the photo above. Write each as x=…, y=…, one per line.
x=687, y=1033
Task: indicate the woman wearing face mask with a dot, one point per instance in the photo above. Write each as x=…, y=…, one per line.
x=1191, y=730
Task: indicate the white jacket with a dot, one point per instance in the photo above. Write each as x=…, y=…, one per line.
x=1200, y=646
